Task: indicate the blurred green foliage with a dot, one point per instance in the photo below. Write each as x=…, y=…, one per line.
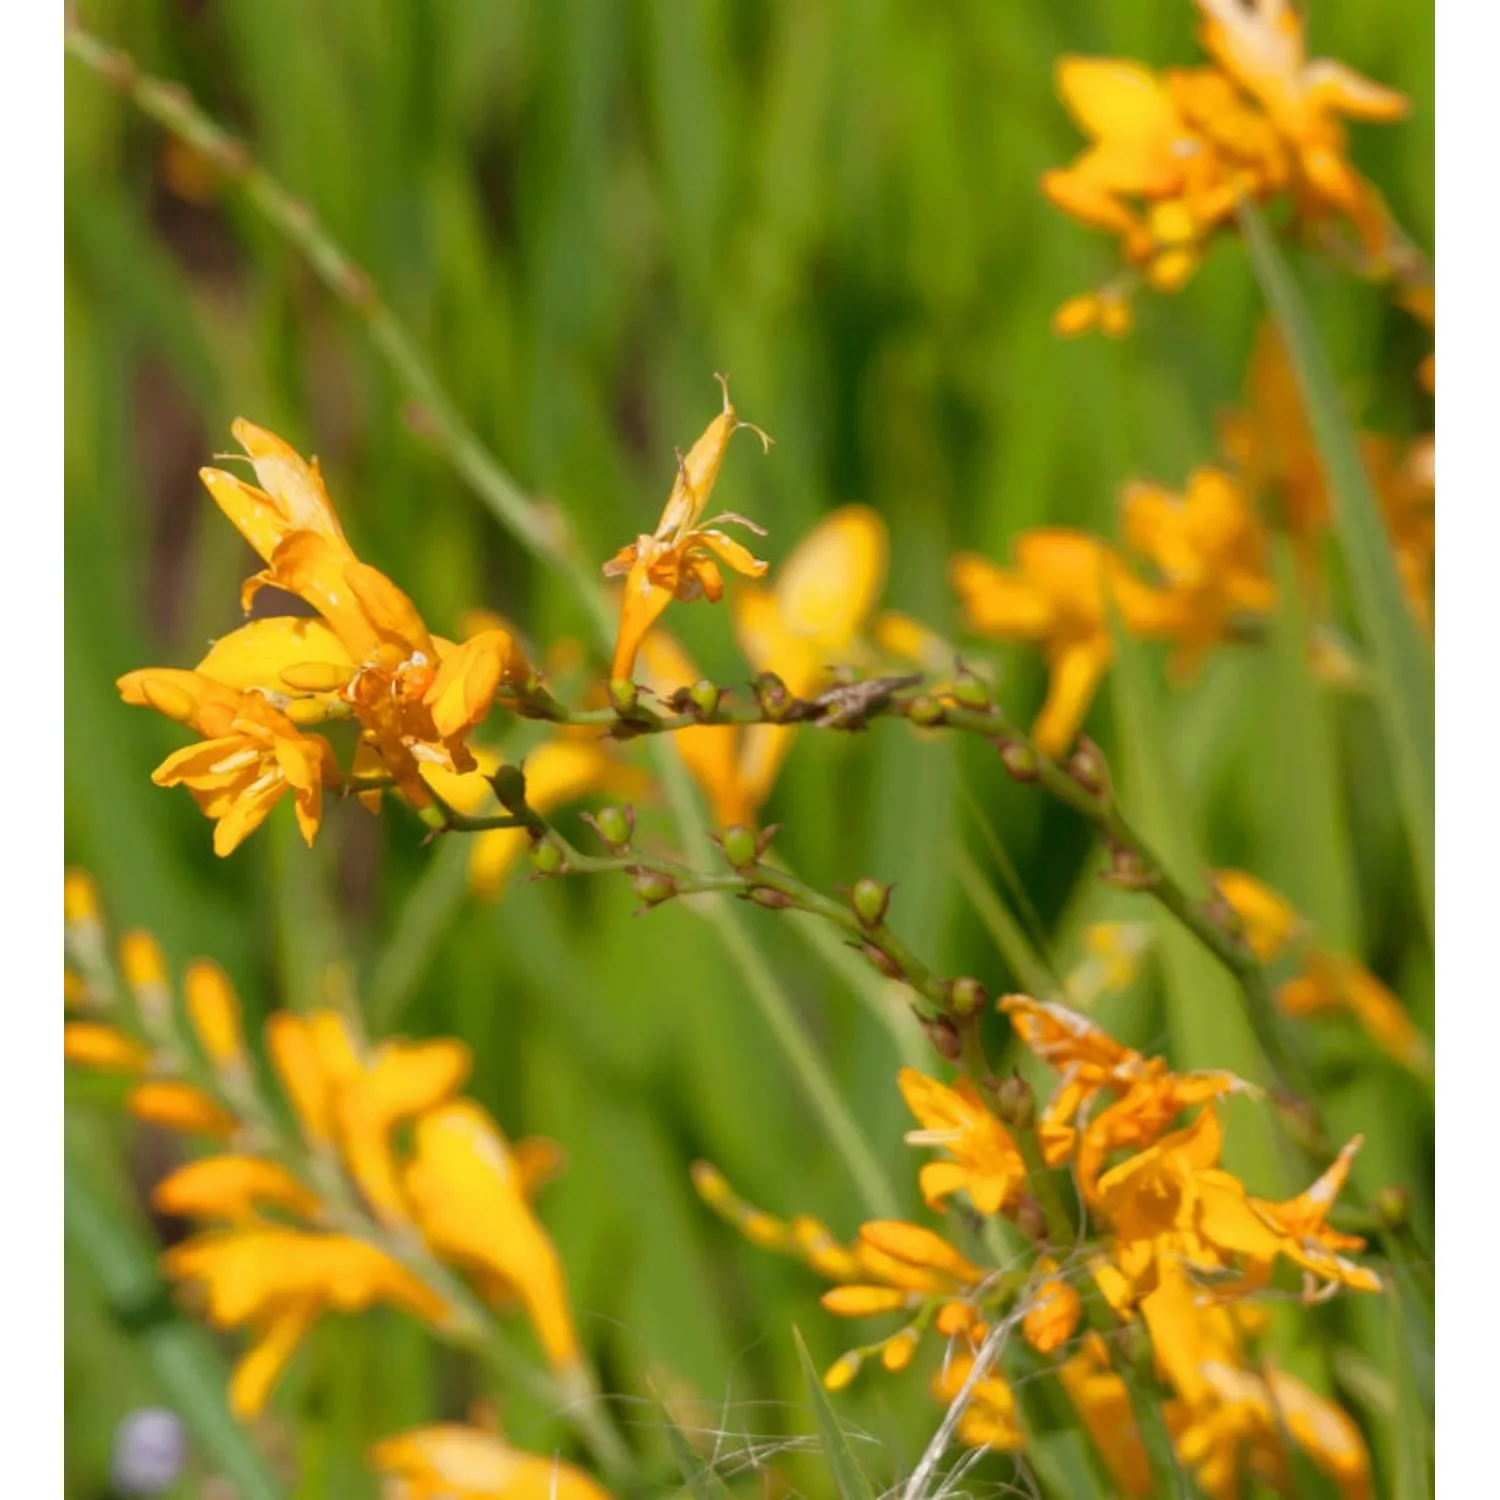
x=583, y=209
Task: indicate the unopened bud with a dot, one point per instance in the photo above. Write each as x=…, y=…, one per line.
x=966, y=996
x=924, y=710
x=1393, y=1207
x=1087, y=767
x=882, y=960
x=615, y=825
x=943, y=1035
x=769, y=897
x=971, y=690
x=739, y=846
x=773, y=695
x=653, y=888
x=509, y=783
x=843, y=1370
x=547, y=858
x=624, y=696
x=897, y=1352
x=1018, y=758
x=704, y=696
x=870, y=901
x=1127, y=870
x=1029, y=1218
x=1016, y=1101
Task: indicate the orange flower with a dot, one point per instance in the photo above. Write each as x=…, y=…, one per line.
x=1054, y=1312
x=450, y=1462
x=1103, y=1402
x=251, y=755
x=677, y=560
x=989, y=1420
x=984, y=1161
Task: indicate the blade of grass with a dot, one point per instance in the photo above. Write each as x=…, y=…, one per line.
x=1400, y=659
x=849, y=1480
x=700, y=1478
x=1034, y=973
x=191, y=1374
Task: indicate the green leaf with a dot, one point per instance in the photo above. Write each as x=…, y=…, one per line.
x=192, y=1377
x=1400, y=659
x=848, y=1478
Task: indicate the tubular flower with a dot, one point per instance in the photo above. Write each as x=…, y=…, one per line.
x=890, y=1267
x=1059, y=595
x=1209, y=548
x=453, y=1462
x=250, y=757
x=1261, y=46
x=677, y=560
x=1149, y=177
x=1102, y=1400
x=989, y=1420
x=1324, y=982
x=983, y=1160
x=277, y=1280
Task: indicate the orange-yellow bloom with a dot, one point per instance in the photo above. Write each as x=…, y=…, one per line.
x=1210, y=549
x=470, y=1200
x=92, y=1044
x=990, y=1419
x=1054, y=1312
x=1103, y=1402
x=1058, y=595
x=451, y=1462
x=1261, y=46
x=250, y=757
x=983, y=1160
x=179, y=1106
x=677, y=560
x=276, y=1280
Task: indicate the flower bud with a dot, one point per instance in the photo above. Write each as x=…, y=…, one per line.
x=547, y=858
x=1087, y=767
x=774, y=697
x=769, y=897
x=924, y=710
x=870, y=901
x=1029, y=1218
x=615, y=825
x=882, y=960
x=739, y=846
x=1393, y=1206
x=966, y=996
x=704, y=696
x=943, y=1035
x=509, y=783
x=1016, y=1102
x=653, y=888
x=971, y=690
x=898, y=1351
x=843, y=1370
x=1018, y=758
x=624, y=696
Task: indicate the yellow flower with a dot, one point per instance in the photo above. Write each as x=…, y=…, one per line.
x=1102, y=1400
x=233, y=1188
x=416, y=695
x=1058, y=595
x=250, y=757
x=277, y=1280
x=989, y=1420
x=179, y=1106
x=1261, y=46
x=1054, y=1312
x=557, y=771
x=984, y=1161
x=1209, y=548
x=1153, y=176
x=1325, y=981
x=677, y=560
x=92, y=1044
x=451, y=1462
x=214, y=1010
x=470, y=1198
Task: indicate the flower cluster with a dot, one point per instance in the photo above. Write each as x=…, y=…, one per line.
x=1172, y=154
x=1170, y=1242
x=386, y=1187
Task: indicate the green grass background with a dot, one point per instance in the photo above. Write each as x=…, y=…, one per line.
x=583, y=209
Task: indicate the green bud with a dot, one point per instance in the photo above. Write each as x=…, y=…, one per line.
x=1087, y=767
x=624, y=696
x=740, y=846
x=615, y=826
x=924, y=710
x=971, y=690
x=1019, y=760
x=705, y=696
x=547, y=857
x=509, y=783
x=1016, y=1102
x=654, y=888
x=773, y=695
x=870, y=901
x=966, y=996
